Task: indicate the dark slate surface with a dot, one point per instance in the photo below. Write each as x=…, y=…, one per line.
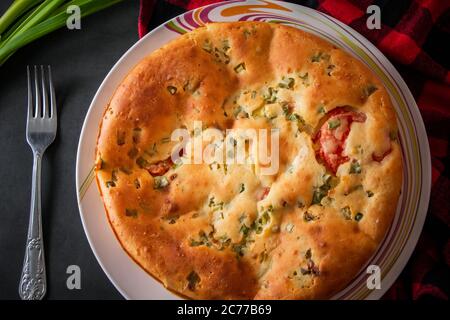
x=80, y=60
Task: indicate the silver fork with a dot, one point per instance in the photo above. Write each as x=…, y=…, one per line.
x=41, y=131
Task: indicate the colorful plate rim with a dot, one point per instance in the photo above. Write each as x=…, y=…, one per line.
x=392, y=255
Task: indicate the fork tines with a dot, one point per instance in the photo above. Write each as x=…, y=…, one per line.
x=41, y=108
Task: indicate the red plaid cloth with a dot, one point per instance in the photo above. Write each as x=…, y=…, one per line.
x=415, y=35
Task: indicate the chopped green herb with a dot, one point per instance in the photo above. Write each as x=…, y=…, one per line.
x=240, y=67
x=207, y=46
x=203, y=240
x=259, y=224
x=347, y=213
x=305, y=79
x=263, y=256
x=308, y=216
x=287, y=83
x=321, y=109
x=320, y=56
x=110, y=184
x=289, y=227
x=241, y=188
x=193, y=279
x=358, y=216
x=225, y=45
x=308, y=254
x=330, y=69
x=244, y=229
x=238, y=249
x=172, y=90
x=355, y=167
x=322, y=191
x=142, y=163
x=334, y=123
x=368, y=90
x=160, y=182
x=270, y=96
x=131, y=213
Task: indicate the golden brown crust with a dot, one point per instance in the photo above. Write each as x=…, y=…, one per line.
x=285, y=244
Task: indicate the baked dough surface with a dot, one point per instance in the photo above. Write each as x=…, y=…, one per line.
x=228, y=232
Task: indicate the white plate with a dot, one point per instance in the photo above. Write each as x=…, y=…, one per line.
x=132, y=281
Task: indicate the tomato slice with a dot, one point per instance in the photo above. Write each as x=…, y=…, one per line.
x=332, y=135
x=160, y=168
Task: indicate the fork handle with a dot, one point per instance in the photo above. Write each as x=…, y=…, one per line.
x=33, y=283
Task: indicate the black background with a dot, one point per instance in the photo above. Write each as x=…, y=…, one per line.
x=80, y=59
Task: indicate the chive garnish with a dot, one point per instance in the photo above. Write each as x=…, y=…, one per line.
x=368, y=90
x=172, y=90
x=358, y=216
x=347, y=213
x=355, y=167
x=160, y=182
x=110, y=184
x=193, y=279
x=142, y=163
x=334, y=123
x=240, y=67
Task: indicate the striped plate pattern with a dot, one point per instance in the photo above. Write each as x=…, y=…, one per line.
x=401, y=239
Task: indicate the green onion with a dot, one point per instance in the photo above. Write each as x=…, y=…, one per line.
x=289, y=227
x=270, y=96
x=160, y=182
x=369, y=90
x=347, y=213
x=355, y=167
x=110, y=184
x=192, y=279
x=47, y=17
x=358, y=216
x=142, y=163
x=172, y=90
x=334, y=123
x=286, y=83
x=207, y=46
x=16, y=9
x=240, y=67
x=321, y=109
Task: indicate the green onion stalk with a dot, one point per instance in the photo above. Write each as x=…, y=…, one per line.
x=27, y=20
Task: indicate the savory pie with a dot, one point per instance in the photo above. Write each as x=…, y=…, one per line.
x=226, y=231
